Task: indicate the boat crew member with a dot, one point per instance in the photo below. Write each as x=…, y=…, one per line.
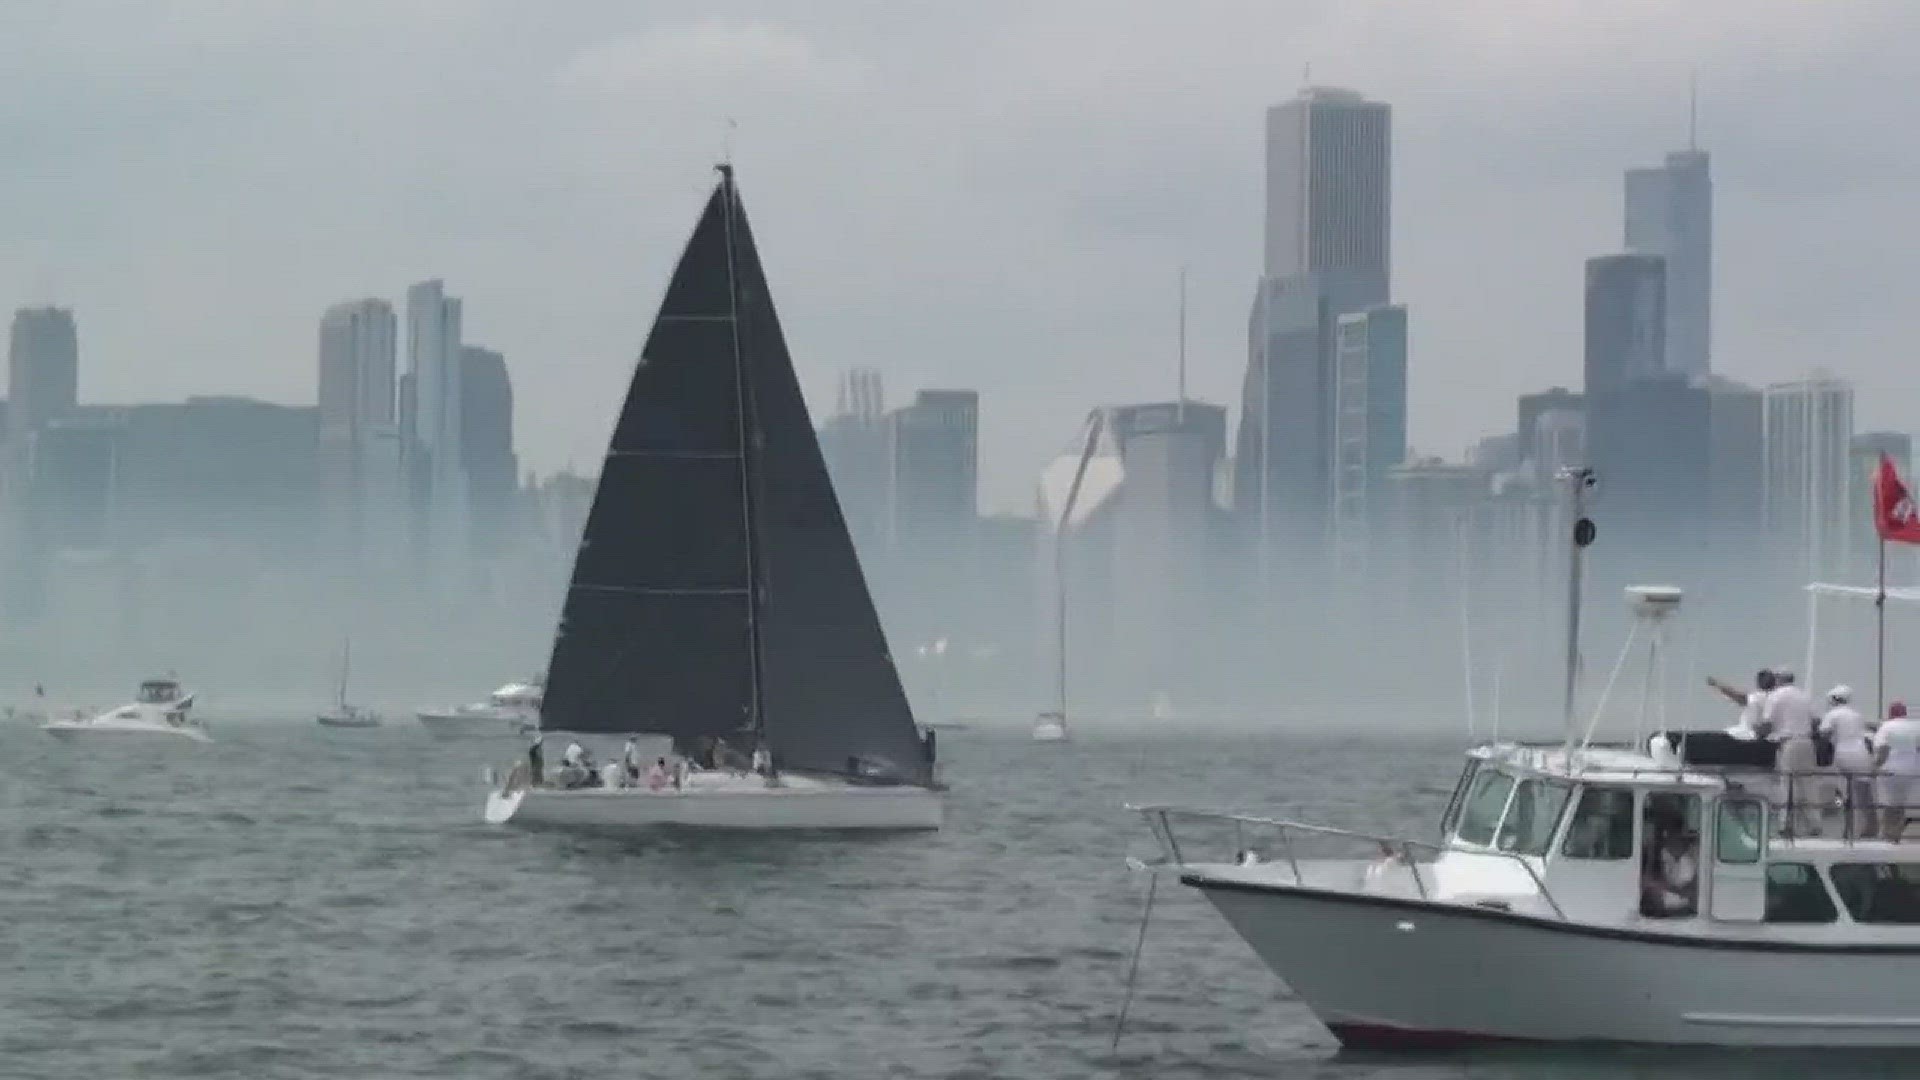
x=1786, y=715
x=657, y=774
x=1846, y=730
x=536, y=761
x=630, y=757
x=1747, y=728
x=762, y=761
x=1673, y=887
x=1896, y=753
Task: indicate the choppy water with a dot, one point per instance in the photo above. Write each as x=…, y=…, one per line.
x=295, y=902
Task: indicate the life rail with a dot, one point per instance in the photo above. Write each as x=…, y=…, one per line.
x=1409, y=853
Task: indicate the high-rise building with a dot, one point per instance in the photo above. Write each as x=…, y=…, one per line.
x=435, y=467
x=1669, y=213
x=1369, y=402
x=486, y=434
x=1626, y=330
x=854, y=443
x=357, y=350
x=1328, y=254
x=933, y=466
x=1738, y=437
x=1806, y=500
x=1329, y=190
x=43, y=368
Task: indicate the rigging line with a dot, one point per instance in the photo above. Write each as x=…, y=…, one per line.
x=1133, y=968
x=749, y=470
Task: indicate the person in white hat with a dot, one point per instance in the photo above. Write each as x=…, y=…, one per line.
x=1846, y=729
x=1787, y=718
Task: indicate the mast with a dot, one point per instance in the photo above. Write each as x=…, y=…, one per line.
x=756, y=703
x=1181, y=410
x=346, y=662
x=1579, y=479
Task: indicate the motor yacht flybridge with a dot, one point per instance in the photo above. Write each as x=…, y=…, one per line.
x=1578, y=892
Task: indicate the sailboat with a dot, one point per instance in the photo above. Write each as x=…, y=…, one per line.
x=1051, y=726
x=344, y=714
x=717, y=605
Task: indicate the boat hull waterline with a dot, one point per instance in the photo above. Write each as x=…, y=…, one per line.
x=456, y=725
x=1396, y=973
x=821, y=805
x=66, y=729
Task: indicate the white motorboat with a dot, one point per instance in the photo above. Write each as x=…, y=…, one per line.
x=160, y=708
x=1579, y=893
x=513, y=709
x=345, y=714
x=717, y=606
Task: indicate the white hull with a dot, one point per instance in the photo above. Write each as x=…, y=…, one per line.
x=1048, y=731
x=335, y=721
x=110, y=726
x=748, y=804
x=1384, y=971
x=474, y=725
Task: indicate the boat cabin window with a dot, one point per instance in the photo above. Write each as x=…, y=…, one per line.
x=1795, y=894
x=1602, y=825
x=1670, y=856
x=1459, y=796
x=1879, y=892
x=1738, y=830
x=1486, y=801
x=158, y=693
x=1532, y=816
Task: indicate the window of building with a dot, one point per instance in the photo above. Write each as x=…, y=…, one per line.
x=1879, y=892
x=1485, y=803
x=1795, y=894
x=1602, y=825
x=1532, y=816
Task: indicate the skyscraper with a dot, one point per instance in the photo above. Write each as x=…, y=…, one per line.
x=933, y=466
x=360, y=462
x=1669, y=213
x=357, y=350
x=1625, y=321
x=1806, y=501
x=436, y=471
x=1329, y=193
x=1328, y=254
x=43, y=373
x=486, y=429
x=1369, y=416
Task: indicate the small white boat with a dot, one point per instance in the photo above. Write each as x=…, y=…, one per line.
x=513, y=709
x=716, y=601
x=160, y=708
x=344, y=714
x=1052, y=727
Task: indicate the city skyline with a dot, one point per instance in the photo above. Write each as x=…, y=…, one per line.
x=1517, y=169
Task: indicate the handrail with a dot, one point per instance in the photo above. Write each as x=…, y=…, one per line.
x=1392, y=846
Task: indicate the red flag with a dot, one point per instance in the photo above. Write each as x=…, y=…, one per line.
x=1894, y=516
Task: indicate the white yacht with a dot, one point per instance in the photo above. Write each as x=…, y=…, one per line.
x=1649, y=892
x=160, y=708
x=513, y=709
x=717, y=606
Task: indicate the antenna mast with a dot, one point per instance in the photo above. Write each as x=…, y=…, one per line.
x=1693, y=110
x=1182, y=408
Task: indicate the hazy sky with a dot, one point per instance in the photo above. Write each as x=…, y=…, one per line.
x=993, y=194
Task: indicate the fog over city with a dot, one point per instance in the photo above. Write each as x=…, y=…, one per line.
x=1257, y=332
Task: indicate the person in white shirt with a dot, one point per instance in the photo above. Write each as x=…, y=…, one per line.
x=1786, y=716
x=1747, y=728
x=1846, y=729
x=1896, y=753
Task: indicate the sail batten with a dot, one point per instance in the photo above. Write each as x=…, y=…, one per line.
x=716, y=589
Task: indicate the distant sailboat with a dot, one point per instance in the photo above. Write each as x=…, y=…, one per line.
x=716, y=597
x=1052, y=726
x=344, y=714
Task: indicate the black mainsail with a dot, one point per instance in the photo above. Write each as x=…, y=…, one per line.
x=716, y=590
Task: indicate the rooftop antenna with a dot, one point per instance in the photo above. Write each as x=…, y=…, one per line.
x=1693, y=110
x=726, y=142
x=1181, y=409
x=1306, y=76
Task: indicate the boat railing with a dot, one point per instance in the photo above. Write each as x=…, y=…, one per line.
x=1307, y=849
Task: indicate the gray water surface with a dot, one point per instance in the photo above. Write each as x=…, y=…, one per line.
x=297, y=902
